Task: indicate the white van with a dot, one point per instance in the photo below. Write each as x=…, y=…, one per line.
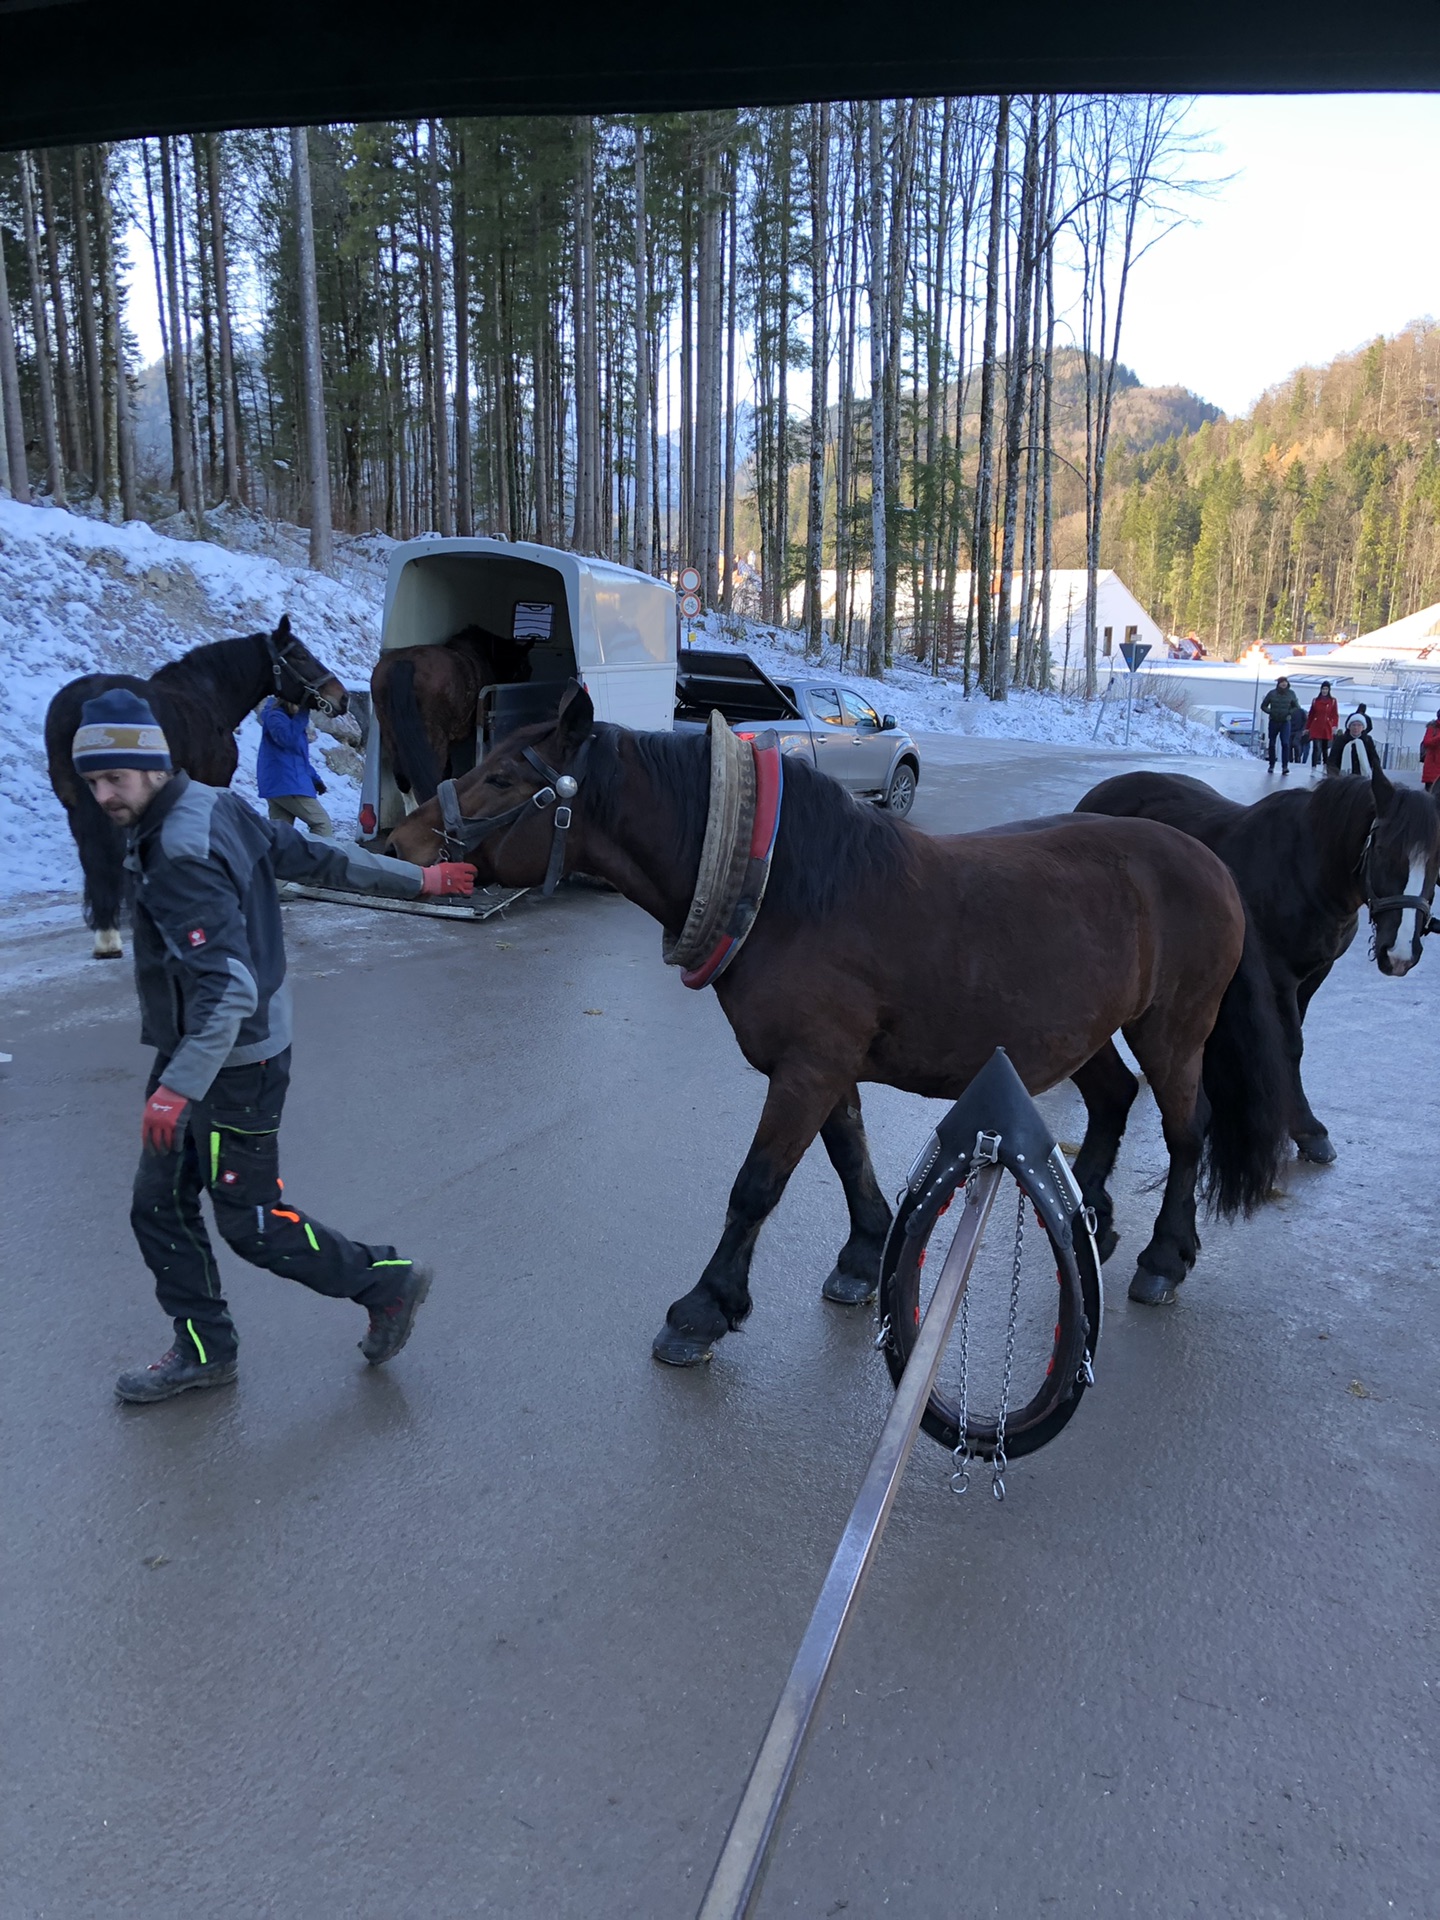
x=614, y=629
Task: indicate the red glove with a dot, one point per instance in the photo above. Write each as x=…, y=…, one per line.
x=449, y=876
x=164, y=1112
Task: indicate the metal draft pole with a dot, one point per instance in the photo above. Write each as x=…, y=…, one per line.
x=738, y=1875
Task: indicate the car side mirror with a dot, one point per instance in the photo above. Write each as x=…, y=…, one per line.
x=888, y=723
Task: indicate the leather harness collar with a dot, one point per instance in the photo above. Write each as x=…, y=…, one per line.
x=462, y=836
x=743, y=823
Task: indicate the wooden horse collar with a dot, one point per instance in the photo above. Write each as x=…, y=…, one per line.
x=747, y=783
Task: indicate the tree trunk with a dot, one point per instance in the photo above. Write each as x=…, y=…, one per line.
x=1017, y=388
x=229, y=410
x=179, y=382
x=316, y=447
x=819, y=379
x=89, y=332
x=13, y=419
x=49, y=429
x=878, y=637
x=460, y=270
x=984, y=544
x=642, y=555
x=121, y=472
x=70, y=444
x=434, y=255
x=727, y=536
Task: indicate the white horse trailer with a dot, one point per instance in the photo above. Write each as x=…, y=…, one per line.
x=608, y=626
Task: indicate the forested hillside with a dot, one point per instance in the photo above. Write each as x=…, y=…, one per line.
x=1318, y=513
x=562, y=330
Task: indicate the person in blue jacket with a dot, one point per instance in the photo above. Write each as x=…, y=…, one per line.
x=287, y=782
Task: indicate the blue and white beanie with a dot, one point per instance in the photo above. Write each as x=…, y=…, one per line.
x=118, y=729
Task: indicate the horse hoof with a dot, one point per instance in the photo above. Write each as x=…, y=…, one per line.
x=107, y=945
x=846, y=1290
x=1316, y=1147
x=1106, y=1242
x=1152, y=1289
x=677, y=1349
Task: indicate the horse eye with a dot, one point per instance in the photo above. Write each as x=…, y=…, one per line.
x=498, y=780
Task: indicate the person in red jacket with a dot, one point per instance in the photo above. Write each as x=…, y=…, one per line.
x=1320, y=724
x=1430, y=755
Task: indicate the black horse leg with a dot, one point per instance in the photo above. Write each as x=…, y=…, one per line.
x=1175, y=1241
x=1311, y=1136
x=794, y=1109
x=101, y=846
x=1108, y=1089
x=856, y=1273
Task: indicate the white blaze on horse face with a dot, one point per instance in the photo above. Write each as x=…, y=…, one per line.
x=1407, y=937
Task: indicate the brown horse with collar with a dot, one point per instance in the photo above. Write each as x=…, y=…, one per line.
x=881, y=953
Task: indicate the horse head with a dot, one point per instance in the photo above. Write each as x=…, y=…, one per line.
x=510, y=817
x=1398, y=869
x=299, y=677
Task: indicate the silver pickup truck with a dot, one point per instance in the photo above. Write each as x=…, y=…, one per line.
x=821, y=719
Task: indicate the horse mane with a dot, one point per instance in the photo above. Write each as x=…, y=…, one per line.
x=226, y=663
x=830, y=846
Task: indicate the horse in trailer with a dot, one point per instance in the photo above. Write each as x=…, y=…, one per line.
x=426, y=702
x=199, y=700
x=1305, y=864
x=880, y=953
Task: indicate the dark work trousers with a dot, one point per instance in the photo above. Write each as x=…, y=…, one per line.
x=230, y=1145
x=1280, y=734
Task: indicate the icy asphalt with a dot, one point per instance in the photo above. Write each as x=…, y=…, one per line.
x=497, y=1630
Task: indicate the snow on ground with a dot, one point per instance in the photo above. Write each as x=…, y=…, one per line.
x=924, y=703
x=78, y=596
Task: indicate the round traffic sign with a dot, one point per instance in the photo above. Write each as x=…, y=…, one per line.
x=690, y=605
x=689, y=580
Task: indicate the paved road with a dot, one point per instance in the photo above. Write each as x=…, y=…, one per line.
x=496, y=1631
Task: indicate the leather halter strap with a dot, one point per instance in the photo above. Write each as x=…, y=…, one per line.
x=462, y=836
x=1377, y=904
x=280, y=666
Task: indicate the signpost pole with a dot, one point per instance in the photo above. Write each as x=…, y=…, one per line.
x=1132, y=652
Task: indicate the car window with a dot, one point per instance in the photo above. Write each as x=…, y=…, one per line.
x=825, y=706
x=856, y=709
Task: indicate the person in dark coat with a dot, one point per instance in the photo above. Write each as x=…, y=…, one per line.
x=1320, y=724
x=210, y=973
x=1430, y=755
x=1282, y=709
x=1352, y=751
x=286, y=781
x=1361, y=715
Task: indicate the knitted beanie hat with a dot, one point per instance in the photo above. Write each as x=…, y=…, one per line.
x=117, y=729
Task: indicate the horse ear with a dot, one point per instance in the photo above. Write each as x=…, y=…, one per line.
x=1379, y=780
x=282, y=632
x=577, y=716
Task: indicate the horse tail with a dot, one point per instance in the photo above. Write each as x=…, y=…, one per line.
x=1246, y=1080
x=412, y=757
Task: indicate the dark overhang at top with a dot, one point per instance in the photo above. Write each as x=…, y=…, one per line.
x=80, y=70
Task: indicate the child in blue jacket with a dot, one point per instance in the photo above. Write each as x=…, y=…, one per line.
x=287, y=782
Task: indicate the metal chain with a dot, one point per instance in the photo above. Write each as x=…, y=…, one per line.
x=999, y=1463
x=987, y=1147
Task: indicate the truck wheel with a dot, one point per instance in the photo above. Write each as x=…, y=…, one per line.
x=900, y=794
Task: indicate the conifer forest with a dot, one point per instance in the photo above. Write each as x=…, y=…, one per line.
x=798, y=348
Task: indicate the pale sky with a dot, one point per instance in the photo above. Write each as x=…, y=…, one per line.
x=1323, y=234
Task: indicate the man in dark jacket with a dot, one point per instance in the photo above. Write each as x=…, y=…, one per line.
x=1283, y=709
x=284, y=777
x=210, y=971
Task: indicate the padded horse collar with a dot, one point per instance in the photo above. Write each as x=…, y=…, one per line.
x=462, y=836
x=741, y=828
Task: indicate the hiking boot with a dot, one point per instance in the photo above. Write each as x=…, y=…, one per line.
x=176, y=1372
x=390, y=1325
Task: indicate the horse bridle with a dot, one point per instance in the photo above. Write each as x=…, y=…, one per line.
x=280, y=666
x=462, y=836
x=1376, y=904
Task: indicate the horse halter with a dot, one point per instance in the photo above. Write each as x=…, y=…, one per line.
x=462, y=836
x=280, y=666
x=1376, y=904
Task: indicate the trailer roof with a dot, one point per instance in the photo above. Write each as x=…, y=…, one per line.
x=80, y=70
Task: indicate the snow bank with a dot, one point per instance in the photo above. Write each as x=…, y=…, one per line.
x=926, y=704
x=78, y=596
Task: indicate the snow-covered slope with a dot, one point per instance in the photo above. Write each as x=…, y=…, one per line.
x=77, y=596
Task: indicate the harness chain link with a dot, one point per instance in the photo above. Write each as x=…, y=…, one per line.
x=999, y=1462
x=987, y=1148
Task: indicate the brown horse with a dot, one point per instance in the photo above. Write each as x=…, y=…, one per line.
x=425, y=701
x=883, y=954
x=199, y=700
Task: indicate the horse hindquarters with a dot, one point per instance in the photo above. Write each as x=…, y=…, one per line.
x=1247, y=1083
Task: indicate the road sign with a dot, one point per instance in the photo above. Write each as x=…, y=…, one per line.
x=689, y=580
x=1134, y=651
x=690, y=605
